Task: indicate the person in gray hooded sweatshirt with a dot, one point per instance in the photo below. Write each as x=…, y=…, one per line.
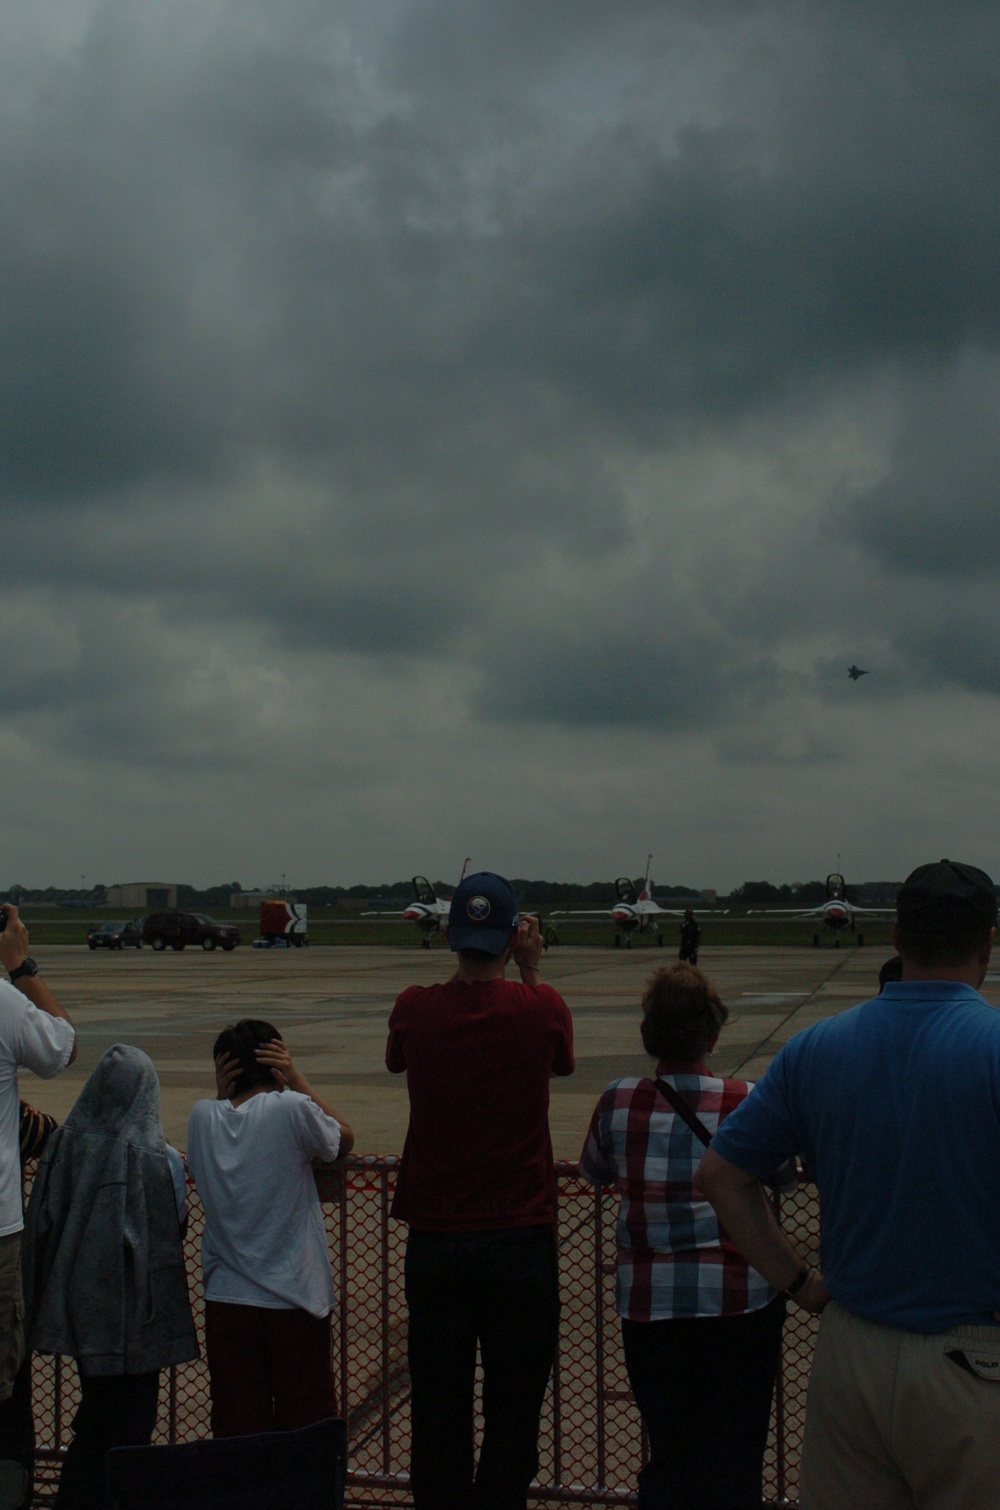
x=104, y=1271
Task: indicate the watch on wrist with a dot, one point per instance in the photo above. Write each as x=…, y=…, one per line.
x=797, y=1283
x=28, y=966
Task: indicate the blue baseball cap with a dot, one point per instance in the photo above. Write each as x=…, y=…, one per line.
x=483, y=914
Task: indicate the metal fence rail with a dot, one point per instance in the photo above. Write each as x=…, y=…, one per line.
x=591, y=1440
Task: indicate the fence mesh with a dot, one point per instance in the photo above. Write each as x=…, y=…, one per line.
x=591, y=1441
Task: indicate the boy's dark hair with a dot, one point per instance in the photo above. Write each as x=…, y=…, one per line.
x=242, y=1040
x=681, y=1011
x=477, y=956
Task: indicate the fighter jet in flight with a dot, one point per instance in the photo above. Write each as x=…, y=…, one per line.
x=631, y=913
x=427, y=910
x=854, y=672
x=836, y=912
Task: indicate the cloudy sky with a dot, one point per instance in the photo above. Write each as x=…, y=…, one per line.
x=433, y=428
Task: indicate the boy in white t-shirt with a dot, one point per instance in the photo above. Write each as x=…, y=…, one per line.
x=268, y=1287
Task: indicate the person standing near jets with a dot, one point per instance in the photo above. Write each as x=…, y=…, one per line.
x=476, y=1185
x=690, y=938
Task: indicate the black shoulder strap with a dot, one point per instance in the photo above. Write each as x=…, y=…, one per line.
x=682, y=1109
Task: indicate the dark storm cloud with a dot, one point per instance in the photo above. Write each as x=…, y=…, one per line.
x=668, y=277
x=627, y=678
x=440, y=275
x=938, y=510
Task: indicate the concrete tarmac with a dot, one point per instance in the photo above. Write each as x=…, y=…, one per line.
x=331, y=1004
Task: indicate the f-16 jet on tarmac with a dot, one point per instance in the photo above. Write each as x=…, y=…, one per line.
x=427, y=910
x=631, y=914
x=836, y=913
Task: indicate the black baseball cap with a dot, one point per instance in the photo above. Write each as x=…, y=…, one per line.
x=947, y=897
x=483, y=913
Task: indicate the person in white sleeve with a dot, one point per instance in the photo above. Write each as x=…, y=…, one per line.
x=35, y=1034
x=268, y=1286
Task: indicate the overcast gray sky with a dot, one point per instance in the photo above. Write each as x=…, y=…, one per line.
x=433, y=428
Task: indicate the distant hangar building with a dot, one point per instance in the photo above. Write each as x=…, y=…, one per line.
x=143, y=896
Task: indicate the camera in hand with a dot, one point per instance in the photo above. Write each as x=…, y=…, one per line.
x=3, y=918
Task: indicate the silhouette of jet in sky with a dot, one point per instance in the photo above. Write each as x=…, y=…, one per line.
x=854, y=672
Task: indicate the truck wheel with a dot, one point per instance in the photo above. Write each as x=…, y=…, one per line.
x=159, y=942
x=208, y=944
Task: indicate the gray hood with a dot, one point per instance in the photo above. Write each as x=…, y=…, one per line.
x=104, y=1274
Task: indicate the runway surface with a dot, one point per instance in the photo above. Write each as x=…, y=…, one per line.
x=331, y=1005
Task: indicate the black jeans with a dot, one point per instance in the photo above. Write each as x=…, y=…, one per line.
x=115, y=1411
x=17, y=1427
x=500, y=1289
x=703, y=1386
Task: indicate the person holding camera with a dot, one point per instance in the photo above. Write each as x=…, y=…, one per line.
x=476, y=1185
x=35, y=1034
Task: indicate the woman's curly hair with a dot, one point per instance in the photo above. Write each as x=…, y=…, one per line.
x=681, y=1011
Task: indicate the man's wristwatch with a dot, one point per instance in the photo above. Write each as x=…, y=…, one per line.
x=28, y=966
x=798, y=1282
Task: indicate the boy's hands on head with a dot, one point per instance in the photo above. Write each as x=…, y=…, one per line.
x=227, y=1072
x=277, y=1057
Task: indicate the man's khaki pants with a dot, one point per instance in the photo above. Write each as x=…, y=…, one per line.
x=901, y=1420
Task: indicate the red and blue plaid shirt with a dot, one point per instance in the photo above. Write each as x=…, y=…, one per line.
x=672, y=1258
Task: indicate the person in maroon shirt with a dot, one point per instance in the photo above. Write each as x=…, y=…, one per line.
x=476, y=1185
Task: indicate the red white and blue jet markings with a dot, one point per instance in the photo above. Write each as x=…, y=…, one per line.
x=427, y=910
x=631, y=913
x=836, y=913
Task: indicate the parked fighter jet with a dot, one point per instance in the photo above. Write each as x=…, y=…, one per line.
x=630, y=914
x=854, y=672
x=427, y=910
x=836, y=913
x=430, y=912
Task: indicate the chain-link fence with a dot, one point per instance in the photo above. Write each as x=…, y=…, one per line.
x=591, y=1439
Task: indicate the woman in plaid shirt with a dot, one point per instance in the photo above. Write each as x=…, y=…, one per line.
x=701, y=1329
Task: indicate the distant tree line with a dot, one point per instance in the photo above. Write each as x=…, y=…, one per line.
x=530, y=893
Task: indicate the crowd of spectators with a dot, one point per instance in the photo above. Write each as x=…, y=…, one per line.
x=892, y=1107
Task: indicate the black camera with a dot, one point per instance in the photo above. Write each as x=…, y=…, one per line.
x=3, y=918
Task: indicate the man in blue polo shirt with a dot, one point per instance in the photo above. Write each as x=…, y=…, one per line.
x=894, y=1107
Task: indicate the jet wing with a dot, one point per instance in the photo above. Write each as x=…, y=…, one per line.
x=587, y=912
x=763, y=913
